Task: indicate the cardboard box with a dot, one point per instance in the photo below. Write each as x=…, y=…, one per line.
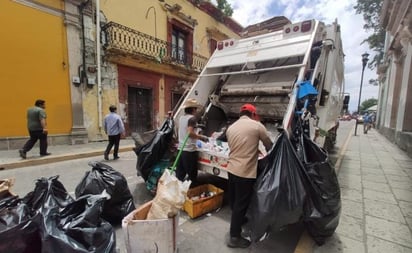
x=196, y=208
x=149, y=236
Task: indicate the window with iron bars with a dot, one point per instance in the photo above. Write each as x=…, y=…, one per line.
x=179, y=46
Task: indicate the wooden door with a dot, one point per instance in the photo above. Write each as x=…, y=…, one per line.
x=140, y=109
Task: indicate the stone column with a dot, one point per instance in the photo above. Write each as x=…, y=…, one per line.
x=73, y=28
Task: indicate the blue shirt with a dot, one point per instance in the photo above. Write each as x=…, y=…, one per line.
x=366, y=118
x=113, y=124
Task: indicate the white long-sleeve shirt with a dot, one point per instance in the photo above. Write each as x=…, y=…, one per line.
x=113, y=124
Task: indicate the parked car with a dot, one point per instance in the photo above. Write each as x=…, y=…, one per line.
x=360, y=119
x=346, y=117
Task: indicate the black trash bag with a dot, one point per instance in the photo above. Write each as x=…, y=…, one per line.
x=103, y=177
x=279, y=192
x=323, y=206
x=19, y=232
x=67, y=225
x=79, y=228
x=151, y=153
x=48, y=193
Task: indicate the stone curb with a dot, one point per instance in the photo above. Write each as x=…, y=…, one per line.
x=57, y=158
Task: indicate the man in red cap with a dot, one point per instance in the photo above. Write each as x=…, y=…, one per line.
x=243, y=138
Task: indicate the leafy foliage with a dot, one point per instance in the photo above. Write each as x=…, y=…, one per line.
x=368, y=103
x=225, y=7
x=371, y=9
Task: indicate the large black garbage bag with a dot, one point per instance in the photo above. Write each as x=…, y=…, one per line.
x=151, y=153
x=101, y=178
x=67, y=225
x=322, y=209
x=19, y=233
x=79, y=228
x=279, y=192
x=47, y=194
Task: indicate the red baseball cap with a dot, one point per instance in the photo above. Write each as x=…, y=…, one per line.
x=248, y=107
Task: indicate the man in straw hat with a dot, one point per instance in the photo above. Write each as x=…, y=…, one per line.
x=243, y=138
x=187, y=125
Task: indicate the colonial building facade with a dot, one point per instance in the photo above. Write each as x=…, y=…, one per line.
x=395, y=95
x=83, y=55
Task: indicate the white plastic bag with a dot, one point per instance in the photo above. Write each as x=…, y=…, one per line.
x=170, y=197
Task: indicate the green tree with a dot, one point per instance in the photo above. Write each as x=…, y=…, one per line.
x=225, y=7
x=371, y=9
x=368, y=103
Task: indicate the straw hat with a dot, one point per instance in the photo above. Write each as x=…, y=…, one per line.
x=190, y=103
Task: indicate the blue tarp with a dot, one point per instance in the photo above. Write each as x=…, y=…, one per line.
x=306, y=88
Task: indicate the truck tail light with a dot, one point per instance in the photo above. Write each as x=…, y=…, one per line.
x=306, y=26
x=220, y=45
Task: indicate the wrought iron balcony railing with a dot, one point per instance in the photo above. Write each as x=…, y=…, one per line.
x=136, y=43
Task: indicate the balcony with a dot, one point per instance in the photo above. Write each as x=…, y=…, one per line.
x=119, y=38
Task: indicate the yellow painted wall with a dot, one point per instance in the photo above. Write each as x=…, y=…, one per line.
x=132, y=13
x=33, y=65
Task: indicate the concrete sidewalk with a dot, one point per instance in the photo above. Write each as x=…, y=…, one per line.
x=375, y=177
x=10, y=159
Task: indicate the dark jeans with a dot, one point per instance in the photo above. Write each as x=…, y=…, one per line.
x=113, y=140
x=240, y=194
x=187, y=165
x=34, y=136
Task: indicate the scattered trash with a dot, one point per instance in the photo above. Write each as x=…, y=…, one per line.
x=203, y=199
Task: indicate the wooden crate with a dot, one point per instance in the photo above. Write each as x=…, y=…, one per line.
x=196, y=208
x=151, y=236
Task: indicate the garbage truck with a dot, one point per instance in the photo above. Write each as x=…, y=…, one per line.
x=268, y=71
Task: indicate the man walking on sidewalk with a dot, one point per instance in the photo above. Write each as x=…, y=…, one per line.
x=114, y=128
x=37, y=126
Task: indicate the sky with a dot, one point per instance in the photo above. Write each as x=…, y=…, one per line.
x=247, y=12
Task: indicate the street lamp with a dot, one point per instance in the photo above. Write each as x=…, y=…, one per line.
x=154, y=13
x=364, y=61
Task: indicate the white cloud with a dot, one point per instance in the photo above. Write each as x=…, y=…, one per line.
x=248, y=12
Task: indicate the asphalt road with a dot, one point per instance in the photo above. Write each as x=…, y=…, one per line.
x=204, y=234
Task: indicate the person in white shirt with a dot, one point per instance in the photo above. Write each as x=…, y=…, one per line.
x=187, y=164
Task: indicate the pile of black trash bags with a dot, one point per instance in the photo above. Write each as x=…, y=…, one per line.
x=48, y=219
x=296, y=182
